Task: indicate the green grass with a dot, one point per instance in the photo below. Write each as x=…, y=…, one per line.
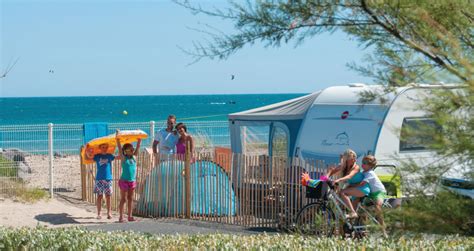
x=18, y=191
x=79, y=239
x=30, y=194
x=8, y=168
x=11, y=187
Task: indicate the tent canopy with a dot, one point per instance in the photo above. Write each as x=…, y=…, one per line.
x=258, y=127
x=293, y=109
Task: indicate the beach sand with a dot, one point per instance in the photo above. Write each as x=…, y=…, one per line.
x=66, y=174
x=50, y=212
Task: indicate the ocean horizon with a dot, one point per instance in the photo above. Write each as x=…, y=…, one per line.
x=122, y=109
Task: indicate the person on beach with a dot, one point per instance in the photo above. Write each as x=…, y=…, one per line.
x=103, y=178
x=353, y=176
x=127, y=182
x=166, y=139
x=185, y=140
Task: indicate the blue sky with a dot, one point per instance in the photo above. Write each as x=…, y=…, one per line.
x=131, y=48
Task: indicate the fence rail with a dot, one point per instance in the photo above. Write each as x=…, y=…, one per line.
x=252, y=191
x=215, y=185
x=26, y=158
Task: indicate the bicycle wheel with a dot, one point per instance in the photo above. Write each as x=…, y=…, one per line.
x=316, y=219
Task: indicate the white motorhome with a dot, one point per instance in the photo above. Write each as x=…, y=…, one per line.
x=324, y=124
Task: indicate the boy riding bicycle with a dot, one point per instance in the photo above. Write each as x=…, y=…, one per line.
x=377, y=190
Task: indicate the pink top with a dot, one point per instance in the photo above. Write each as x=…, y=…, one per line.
x=181, y=148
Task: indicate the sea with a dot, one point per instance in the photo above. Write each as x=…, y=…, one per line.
x=120, y=109
x=24, y=121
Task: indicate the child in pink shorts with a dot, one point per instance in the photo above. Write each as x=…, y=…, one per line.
x=127, y=182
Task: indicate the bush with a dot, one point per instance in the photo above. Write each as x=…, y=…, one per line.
x=80, y=239
x=8, y=168
x=445, y=213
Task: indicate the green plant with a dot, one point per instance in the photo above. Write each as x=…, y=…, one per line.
x=8, y=168
x=445, y=213
x=18, y=190
x=81, y=239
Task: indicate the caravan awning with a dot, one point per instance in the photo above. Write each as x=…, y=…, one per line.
x=287, y=110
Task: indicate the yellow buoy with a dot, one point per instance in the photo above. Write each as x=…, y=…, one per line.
x=125, y=112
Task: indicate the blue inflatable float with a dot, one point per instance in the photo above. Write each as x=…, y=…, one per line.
x=164, y=192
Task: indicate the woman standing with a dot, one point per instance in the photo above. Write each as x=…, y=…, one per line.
x=185, y=140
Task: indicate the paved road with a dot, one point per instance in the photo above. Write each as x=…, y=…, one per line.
x=155, y=226
x=178, y=226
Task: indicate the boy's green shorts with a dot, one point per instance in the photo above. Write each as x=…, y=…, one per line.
x=379, y=195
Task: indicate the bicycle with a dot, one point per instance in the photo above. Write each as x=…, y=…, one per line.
x=321, y=217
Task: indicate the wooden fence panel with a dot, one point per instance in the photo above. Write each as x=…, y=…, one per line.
x=253, y=191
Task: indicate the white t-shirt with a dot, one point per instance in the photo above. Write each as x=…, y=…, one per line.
x=167, y=141
x=374, y=182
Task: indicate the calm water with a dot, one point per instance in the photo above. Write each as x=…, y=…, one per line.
x=77, y=110
x=61, y=110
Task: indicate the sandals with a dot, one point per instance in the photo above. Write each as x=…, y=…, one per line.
x=131, y=219
x=99, y=217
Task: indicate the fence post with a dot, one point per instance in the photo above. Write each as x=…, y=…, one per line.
x=187, y=177
x=83, y=176
x=51, y=159
x=152, y=132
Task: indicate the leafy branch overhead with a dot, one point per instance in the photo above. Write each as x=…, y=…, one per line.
x=440, y=33
x=407, y=42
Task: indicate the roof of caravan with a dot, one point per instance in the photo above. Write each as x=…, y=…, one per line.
x=344, y=95
x=287, y=110
x=351, y=94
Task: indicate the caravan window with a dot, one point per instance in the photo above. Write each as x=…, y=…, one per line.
x=255, y=139
x=413, y=136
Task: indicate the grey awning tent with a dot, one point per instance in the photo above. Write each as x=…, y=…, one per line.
x=293, y=109
x=288, y=114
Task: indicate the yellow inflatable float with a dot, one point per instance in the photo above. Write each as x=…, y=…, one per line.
x=125, y=136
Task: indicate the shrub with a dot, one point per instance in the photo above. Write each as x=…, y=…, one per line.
x=80, y=239
x=445, y=213
x=8, y=168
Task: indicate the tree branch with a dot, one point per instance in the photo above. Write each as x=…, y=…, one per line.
x=392, y=30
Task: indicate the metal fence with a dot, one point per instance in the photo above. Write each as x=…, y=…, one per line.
x=251, y=191
x=47, y=156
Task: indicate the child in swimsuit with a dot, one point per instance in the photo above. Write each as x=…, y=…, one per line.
x=127, y=182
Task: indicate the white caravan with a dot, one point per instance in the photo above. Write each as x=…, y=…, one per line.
x=337, y=120
x=324, y=124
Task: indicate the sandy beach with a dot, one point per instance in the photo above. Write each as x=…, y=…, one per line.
x=67, y=174
x=49, y=212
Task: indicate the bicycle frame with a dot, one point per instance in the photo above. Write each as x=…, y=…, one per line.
x=336, y=200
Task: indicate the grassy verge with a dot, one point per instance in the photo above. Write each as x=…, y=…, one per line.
x=17, y=190
x=8, y=168
x=12, y=187
x=80, y=239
